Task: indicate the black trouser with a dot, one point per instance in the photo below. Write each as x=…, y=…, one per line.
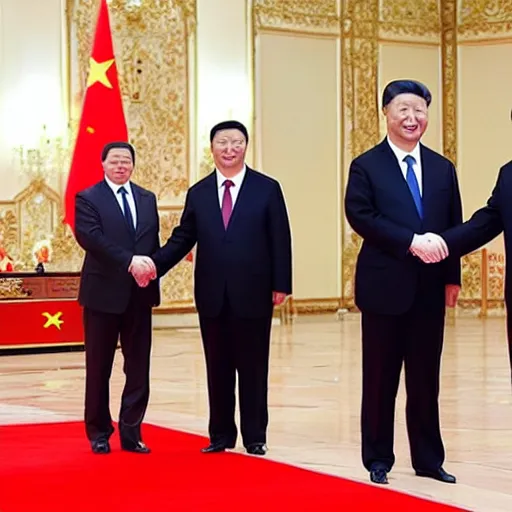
x=415, y=338
x=509, y=334
x=102, y=332
x=233, y=344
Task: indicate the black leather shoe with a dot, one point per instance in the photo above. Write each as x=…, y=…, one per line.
x=100, y=446
x=257, y=449
x=439, y=474
x=379, y=476
x=218, y=447
x=138, y=447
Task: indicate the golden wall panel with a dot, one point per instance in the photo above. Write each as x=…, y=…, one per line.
x=483, y=283
x=177, y=285
x=449, y=77
x=410, y=20
x=472, y=285
x=484, y=19
x=496, y=276
x=9, y=227
x=206, y=165
x=297, y=15
x=360, y=108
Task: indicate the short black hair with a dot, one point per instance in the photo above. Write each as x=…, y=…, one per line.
x=229, y=125
x=115, y=145
x=397, y=87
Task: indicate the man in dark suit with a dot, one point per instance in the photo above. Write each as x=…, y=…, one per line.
x=239, y=221
x=116, y=220
x=485, y=225
x=398, y=193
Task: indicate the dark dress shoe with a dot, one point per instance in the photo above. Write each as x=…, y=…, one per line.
x=101, y=446
x=218, y=447
x=138, y=447
x=438, y=474
x=379, y=476
x=257, y=449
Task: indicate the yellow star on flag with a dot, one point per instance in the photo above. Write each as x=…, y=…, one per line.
x=98, y=72
x=53, y=320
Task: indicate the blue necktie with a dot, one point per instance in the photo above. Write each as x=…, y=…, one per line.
x=127, y=212
x=413, y=184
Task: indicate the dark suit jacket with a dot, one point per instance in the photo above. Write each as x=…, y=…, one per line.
x=486, y=224
x=101, y=230
x=380, y=208
x=248, y=261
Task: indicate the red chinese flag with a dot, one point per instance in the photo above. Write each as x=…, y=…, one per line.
x=102, y=119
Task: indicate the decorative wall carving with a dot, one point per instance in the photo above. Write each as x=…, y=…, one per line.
x=410, y=19
x=359, y=106
x=304, y=15
x=177, y=285
x=449, y=77
x=496, y=276
x=484, y=19
x=206, y=164
x=9, y=227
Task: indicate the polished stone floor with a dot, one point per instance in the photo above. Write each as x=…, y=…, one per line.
x=315, y=389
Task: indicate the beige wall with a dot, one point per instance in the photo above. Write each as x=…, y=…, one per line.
x=297, y=129
x=418, y=62
x=485, y=129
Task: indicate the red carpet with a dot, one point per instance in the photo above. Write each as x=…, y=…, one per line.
x=50, y=468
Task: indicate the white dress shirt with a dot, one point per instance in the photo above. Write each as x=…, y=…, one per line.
x=235, y=189
x=129, y=196
x=415, y=153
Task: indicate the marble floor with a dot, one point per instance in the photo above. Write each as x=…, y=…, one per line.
x=315, y=389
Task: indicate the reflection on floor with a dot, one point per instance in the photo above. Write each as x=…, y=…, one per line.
x=315, y=399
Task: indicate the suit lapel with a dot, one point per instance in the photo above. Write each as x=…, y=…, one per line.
x=113, y=205
x=428, y=177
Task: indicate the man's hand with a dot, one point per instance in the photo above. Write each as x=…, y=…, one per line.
x=429, y=247
x=278, y=298
x=452, y=294
x=142, y=269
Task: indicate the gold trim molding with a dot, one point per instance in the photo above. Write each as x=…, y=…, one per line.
x=360, y=110
x=303, y=15
x=315, y=306
x=410, y=20
x=484, y=19
x=449, y=77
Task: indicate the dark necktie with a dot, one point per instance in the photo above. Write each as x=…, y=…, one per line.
x=413, y=184
x=227, y=202
x=126, y=210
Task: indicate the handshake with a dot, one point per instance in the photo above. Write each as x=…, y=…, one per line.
x=429, y=247
x=143, y=270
